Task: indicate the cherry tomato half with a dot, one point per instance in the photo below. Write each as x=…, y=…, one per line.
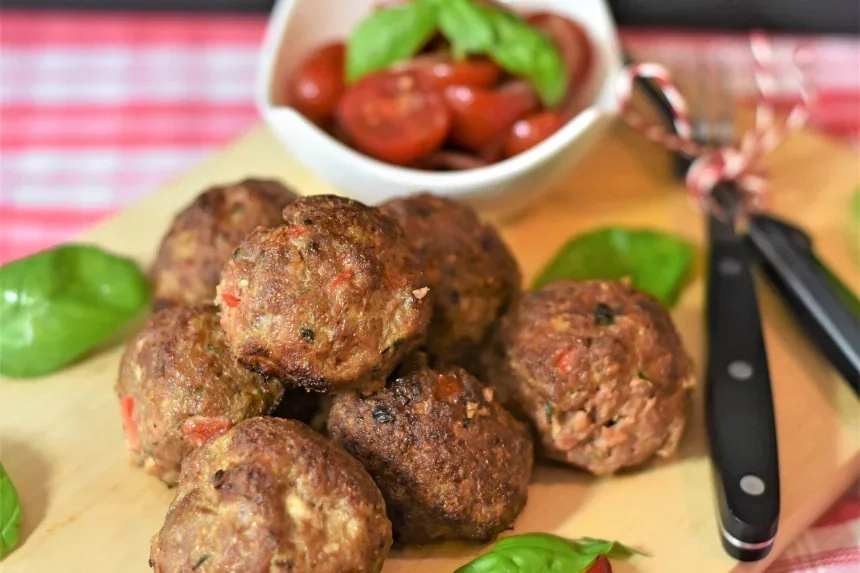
x=317, y=85
x=481, y=116
x=472, y=73
x=573, y=43
x=531, y=130
x=601, y=565
x=397, y=117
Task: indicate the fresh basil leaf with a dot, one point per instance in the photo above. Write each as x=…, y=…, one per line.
x=612, y=549
x=389, y=35
x=10, y=514
x=526, y=52
x=520, y=49
x=544, y=553
x=59, y=304
x=466, y=27
x=655, y=262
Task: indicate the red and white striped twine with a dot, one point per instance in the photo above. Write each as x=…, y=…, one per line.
x=738, y=162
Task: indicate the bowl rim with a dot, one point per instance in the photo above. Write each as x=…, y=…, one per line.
x=544, y=151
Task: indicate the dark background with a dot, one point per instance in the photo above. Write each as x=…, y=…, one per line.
x=800, y=16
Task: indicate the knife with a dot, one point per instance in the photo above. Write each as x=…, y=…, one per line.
x=738, y=398
x=826, y=309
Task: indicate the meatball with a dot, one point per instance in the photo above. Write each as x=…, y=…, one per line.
x=599, y=370
x=330, y=301
x=449, y=460
x=202, y=237
x=273, y=495
x=179, y=386
x=473, y=277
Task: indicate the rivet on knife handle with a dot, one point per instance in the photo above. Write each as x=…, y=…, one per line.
x=739, y=403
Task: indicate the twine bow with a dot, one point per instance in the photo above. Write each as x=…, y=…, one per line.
x=739, y=162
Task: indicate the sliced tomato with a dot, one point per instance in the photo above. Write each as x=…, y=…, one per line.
x=573, y=42
x=473, y=73
x=529, y=131
x=317, y=85
x=126, y=407
x=201, y=429
x=230, y=300
x=481, y=116
x=397, y=117
x=601, y=565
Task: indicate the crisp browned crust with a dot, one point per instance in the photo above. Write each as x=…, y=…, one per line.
x=472, y=275
x=598, y=369
x=273, y=495
x=450, y=461
x=178, y=368
x=202, y=237
x=329, y=301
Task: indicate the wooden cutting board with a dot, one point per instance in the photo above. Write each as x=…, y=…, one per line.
x=86, y=510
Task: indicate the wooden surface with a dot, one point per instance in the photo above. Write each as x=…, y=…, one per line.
x=86, y=510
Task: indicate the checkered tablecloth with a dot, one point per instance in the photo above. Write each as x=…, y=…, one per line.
x=98, y=110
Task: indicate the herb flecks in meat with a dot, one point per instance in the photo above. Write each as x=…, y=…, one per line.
x=382, y=414
x=603, y=315
x=307, y=334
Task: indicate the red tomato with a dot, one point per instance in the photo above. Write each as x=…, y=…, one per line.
x=472, y=73
x=201, y=429
x=480, y=116
x=572, y=41
x=126, y=406
x=531, y=130
x=397, y=117
x=317, y=85
x=600, y=566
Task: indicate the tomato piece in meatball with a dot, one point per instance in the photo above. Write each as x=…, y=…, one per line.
x=329, y=301
x=449, y=460
x=203, y=236
x=473, y=277
x=273, y=495
x=179, y=386
x=599, y=370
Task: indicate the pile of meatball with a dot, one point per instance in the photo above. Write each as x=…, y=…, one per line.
x=322, y=379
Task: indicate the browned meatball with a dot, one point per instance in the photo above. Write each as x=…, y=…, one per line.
x=473, y=277
x=202, y=237
x=450, y=461
x=600, y=371
x=273, y=495
x=330, y=301
x=179, y=386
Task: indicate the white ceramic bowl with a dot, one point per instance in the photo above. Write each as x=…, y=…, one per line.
x=297, y=27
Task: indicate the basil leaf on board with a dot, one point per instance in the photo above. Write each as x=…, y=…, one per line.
x=389, y=35
x=59, y=304
x=10, y=514
x=655, y=262
x=544, y=553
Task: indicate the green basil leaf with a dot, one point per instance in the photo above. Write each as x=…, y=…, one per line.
x=655, y=262
x=544, y=553
x=59, y=304
x=508, y=40
x=10, y=514
x=526, y=52
x=389, y=35
x=466, y=27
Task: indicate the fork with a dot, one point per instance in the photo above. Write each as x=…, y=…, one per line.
x=738, y=399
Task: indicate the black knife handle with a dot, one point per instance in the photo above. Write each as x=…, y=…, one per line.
x=811, y=292
x=738, y=402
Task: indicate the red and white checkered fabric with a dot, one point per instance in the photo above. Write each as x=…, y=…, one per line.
x=98, y=110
